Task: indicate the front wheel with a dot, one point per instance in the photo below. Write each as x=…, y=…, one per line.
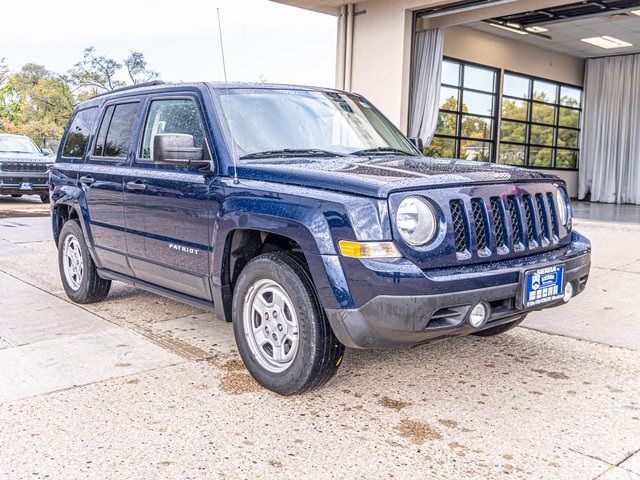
x=78, y=271
x=282, y=333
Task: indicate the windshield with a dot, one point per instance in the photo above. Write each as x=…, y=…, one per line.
x=17, y=145
x=266, y=122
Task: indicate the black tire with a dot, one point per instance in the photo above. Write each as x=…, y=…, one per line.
x=45, y=198
x=92, y=288
x=498, y=329
x=319, y=353
x=16, y=195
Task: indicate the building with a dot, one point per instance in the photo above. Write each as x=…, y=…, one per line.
x=545, y=84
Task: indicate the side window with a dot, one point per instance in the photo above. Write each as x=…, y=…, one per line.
x=172, y=116
x=76, y=141
x=116, y=130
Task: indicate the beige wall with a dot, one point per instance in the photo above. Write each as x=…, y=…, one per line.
x=472, y=45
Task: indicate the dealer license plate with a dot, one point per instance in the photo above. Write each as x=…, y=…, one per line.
x=25, y=186
x=543, y=285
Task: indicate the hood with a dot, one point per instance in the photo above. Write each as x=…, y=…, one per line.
x=379, y=176
x=25, y=157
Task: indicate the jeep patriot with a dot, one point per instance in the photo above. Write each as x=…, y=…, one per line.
x=303, y=216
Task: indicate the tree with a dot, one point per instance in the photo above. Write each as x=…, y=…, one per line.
x=137, y=68
x=35, y=102
x=98, y=73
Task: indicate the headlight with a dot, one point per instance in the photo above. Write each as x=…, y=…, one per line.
x=416, y=221
x=563, y=207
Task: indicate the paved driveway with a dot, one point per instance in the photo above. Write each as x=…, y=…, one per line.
x=142, y=387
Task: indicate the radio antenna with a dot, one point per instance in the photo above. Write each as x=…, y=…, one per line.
x=226, y=86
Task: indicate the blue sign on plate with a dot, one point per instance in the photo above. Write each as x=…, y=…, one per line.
x=26, y=186
x=543, y=285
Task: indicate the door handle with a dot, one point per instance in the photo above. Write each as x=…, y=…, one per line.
x=87, y=180
x=137, y=186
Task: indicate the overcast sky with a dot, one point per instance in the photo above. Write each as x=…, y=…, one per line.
x=179, y=38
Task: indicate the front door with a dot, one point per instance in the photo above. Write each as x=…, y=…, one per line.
x=168, y=210
x=102, y=177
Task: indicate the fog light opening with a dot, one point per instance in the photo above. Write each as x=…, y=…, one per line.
x=479, y=315
x=568, y=292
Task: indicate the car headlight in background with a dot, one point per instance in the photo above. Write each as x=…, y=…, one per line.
x=563, y=206
x=416, y=221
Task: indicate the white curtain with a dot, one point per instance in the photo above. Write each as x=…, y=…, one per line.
x=425, y=84
x=610, y=147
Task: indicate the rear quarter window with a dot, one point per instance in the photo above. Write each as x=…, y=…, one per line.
x=78, y=134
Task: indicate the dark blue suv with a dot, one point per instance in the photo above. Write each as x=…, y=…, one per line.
x=307, y=219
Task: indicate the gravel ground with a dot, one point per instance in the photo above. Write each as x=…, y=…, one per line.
x=526, y=404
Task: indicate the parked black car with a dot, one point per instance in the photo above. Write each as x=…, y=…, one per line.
x=306, y=218
x=24, y=168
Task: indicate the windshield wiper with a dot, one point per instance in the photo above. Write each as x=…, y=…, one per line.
x=292, y=152
x=383, y=150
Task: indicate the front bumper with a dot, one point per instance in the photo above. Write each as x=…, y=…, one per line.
x=10, y=183
x=396, y=321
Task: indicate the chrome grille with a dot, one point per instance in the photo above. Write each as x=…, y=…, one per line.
x=498, y=221
x=544, y=227
x=514, y=217
x=458, y=226
x=554, y=219
x=513, y=223
x=23, y=167
x=477, y=206
x=528, y=215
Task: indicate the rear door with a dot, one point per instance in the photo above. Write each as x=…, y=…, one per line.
x=102, y=177
x=168, y=209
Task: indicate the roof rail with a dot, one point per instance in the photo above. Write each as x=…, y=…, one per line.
x=131, y=87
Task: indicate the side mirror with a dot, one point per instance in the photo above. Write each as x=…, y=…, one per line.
x=178, y=149
x=417, y=142
x=47, y=152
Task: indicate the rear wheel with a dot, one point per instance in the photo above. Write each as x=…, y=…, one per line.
x=16, y=195
x=498, y=329
x=282, y=333
x=77, y=270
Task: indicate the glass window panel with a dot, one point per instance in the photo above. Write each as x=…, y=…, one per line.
x=479, y=78
x=516, y=86
x=449, y=98
x=441, y=147
x=569, y=118
x=570, y=97
x=76, y=140
x=475, y=150
x=541, y=135
x=513, y=132
x=451, y=73
x=477, y=103
x=475, y=127
x=566, y=158
x=98, y=151
x=545, y=91
x=542, y=113
x=120, y=131
x=514, y=109
x=512, y=154
x=171, y=116
x=567, y=138
x=447, y=123
x=540, y=157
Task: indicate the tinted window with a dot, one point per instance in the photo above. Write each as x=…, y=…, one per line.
x=172, y=116
x=102, y=133
x=78, y=134
x=116, y=130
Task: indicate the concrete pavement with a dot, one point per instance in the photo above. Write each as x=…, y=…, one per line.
x=540, y=404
